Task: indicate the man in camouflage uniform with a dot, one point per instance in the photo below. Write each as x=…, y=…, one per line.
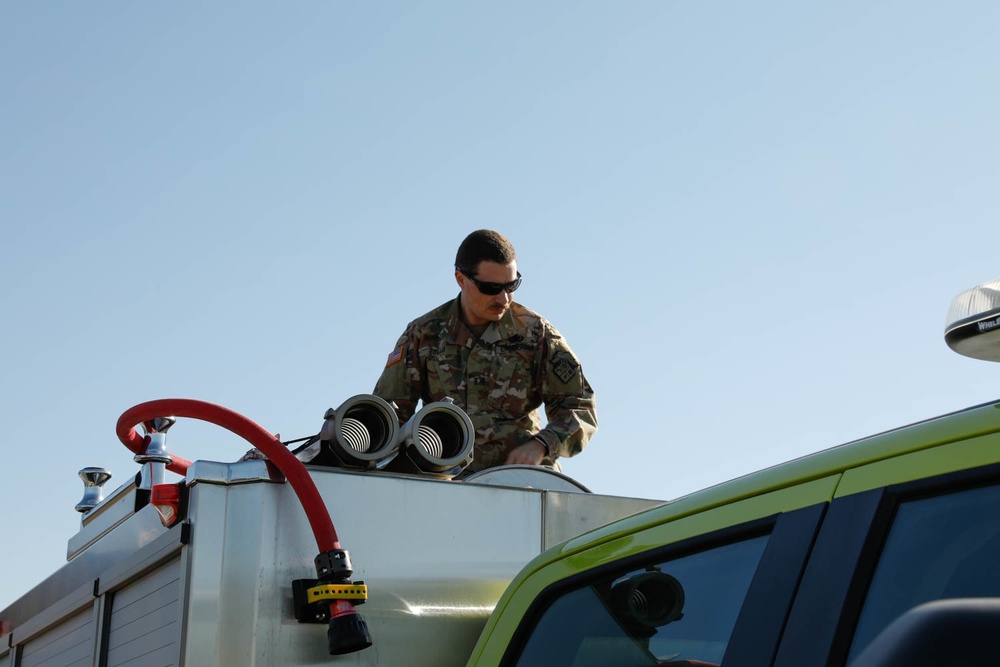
x=498, y=361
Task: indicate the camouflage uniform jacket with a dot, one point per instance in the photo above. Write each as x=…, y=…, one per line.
x=500, y=380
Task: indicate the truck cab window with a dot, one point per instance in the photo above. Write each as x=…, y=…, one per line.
x=680, y=609
x=946, y=546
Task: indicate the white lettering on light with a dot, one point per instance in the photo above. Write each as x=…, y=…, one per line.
x=988, y=325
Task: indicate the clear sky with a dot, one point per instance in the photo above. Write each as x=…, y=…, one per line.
x=748, y=219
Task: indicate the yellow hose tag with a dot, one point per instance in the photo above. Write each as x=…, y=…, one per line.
x=337, y=592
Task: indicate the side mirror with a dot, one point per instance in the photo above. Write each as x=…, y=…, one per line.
x=944, y=632
x=645, y=601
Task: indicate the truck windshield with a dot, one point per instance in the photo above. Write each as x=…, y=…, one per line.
x=674, y=610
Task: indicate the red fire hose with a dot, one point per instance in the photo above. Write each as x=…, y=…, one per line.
x=347, y=632
x=291, y=467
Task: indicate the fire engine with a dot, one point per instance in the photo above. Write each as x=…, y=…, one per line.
x=876, y=553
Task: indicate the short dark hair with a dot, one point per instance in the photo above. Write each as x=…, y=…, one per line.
x=483, y=245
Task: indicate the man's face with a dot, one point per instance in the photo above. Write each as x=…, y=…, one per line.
x=480, y=308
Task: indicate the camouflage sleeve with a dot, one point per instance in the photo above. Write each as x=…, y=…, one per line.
x=570, y=406
x=400, y=379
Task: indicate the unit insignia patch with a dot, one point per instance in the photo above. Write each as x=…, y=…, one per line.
x=564, y=366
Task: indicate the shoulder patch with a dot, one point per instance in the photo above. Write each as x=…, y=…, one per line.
x=394, y=356
x=565, y=366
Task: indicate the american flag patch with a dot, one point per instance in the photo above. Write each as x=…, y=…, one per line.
x=394, y=356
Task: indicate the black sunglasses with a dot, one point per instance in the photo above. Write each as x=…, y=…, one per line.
x=492, y=289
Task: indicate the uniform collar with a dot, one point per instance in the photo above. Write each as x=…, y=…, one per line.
x=496, y=332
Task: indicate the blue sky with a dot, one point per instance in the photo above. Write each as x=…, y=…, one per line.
x=747, y=219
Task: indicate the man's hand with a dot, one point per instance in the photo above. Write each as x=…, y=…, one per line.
x=530, y=453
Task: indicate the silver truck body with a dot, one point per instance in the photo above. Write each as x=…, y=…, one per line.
x=217, y=589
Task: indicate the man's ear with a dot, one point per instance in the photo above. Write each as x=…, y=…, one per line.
x=459, y=278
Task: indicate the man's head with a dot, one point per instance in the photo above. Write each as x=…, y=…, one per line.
x=484, y=244
x=486, y=271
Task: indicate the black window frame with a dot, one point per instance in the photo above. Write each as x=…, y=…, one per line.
x=827, y=608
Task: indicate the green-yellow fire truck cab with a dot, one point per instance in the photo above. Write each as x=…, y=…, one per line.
x=804, y=564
